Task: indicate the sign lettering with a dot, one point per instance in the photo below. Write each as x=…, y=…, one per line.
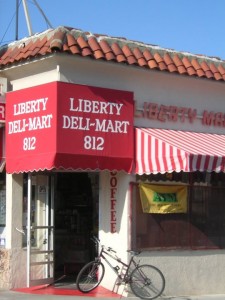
x=69, y=126
x=113, y=201
x=163, y=113
x=96, y=117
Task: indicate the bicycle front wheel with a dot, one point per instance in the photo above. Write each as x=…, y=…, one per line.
x=147, y=282
x=90, y=276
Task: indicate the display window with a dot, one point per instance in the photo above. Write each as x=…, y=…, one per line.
x=201, y=225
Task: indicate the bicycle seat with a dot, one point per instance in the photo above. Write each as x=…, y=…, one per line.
x=134, y=253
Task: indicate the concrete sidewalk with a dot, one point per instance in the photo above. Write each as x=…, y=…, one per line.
x=12, y=295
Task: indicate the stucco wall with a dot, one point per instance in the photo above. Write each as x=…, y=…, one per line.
x=118, y=240
x=190, y=272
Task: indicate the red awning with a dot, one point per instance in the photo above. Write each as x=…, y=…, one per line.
x=66, y=126
x=161, y=150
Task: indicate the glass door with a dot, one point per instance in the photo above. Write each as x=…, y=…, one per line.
x=40, y=229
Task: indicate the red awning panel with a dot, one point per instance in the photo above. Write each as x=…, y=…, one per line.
x=60, y=125
x=161, y=150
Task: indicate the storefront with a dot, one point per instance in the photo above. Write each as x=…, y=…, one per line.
x=60, y=136
x=132, y=154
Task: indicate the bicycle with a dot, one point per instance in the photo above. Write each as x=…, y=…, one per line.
x=146, y=281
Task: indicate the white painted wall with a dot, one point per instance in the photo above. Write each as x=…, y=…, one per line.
x=189, y=272
x=14, y=202
x=119, y=240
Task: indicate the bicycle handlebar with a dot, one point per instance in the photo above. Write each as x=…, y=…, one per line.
x=110, y=249
x=97, y=241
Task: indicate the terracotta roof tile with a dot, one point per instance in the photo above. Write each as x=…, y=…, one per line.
x=57, y=40
x=72, y=44
x=94, y=45
x=215, y=71
x=140, y=57
x=180, y=66
x=170, y=64
x=188, y=66
x=82, y=42
x=197, y=68
x=160, y=61
x=207, y=70
x=129, y=55
x=114, y=49
x=150, y=59
x=107, y=50
x=221, y=69
x=118, y=53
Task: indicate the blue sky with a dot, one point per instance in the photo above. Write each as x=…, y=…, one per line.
x=196, y=26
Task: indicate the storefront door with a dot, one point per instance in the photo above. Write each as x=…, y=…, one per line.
x=76, y=220
x=40, y=229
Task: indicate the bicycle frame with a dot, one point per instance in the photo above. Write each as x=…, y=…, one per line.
x=116, y=269
x=145, y=281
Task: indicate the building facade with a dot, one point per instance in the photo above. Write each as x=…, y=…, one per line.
x=115, y=138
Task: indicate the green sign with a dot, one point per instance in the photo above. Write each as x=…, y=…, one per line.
x=164, y=197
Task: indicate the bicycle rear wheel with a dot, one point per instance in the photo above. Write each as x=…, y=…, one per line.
x=90, y=276
x=147, y=282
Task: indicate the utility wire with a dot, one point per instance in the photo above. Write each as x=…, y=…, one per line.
x=10, y=23
x=16, y=14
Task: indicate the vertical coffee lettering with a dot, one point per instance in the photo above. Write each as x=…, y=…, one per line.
x=113, y=201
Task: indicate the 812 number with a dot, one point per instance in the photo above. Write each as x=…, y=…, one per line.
x=93, y=143
x=29, y=143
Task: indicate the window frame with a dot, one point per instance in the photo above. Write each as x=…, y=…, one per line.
x=197, y=237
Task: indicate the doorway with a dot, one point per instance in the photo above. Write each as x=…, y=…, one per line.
x=38, y=228
x=76, y=198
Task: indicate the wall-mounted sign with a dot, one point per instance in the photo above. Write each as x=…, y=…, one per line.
x=166, y=113
x=2, y=112
x=62, y=125
x=113, y=201
x=162, y=199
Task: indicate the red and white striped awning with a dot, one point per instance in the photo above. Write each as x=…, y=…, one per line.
x=162, y=150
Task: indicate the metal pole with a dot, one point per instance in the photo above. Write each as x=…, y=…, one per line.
x=29, y=197
x=41, y=11
x=17, y=18
x=27, y=17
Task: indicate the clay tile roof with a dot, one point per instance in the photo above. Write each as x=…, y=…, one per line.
x=170, y=64
x=140, y=57
x=197, y=67
x=73, y=41
x=107, y=50
x=150, y=59
x=118, y=53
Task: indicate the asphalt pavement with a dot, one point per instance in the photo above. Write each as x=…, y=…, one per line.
x=12, y=295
